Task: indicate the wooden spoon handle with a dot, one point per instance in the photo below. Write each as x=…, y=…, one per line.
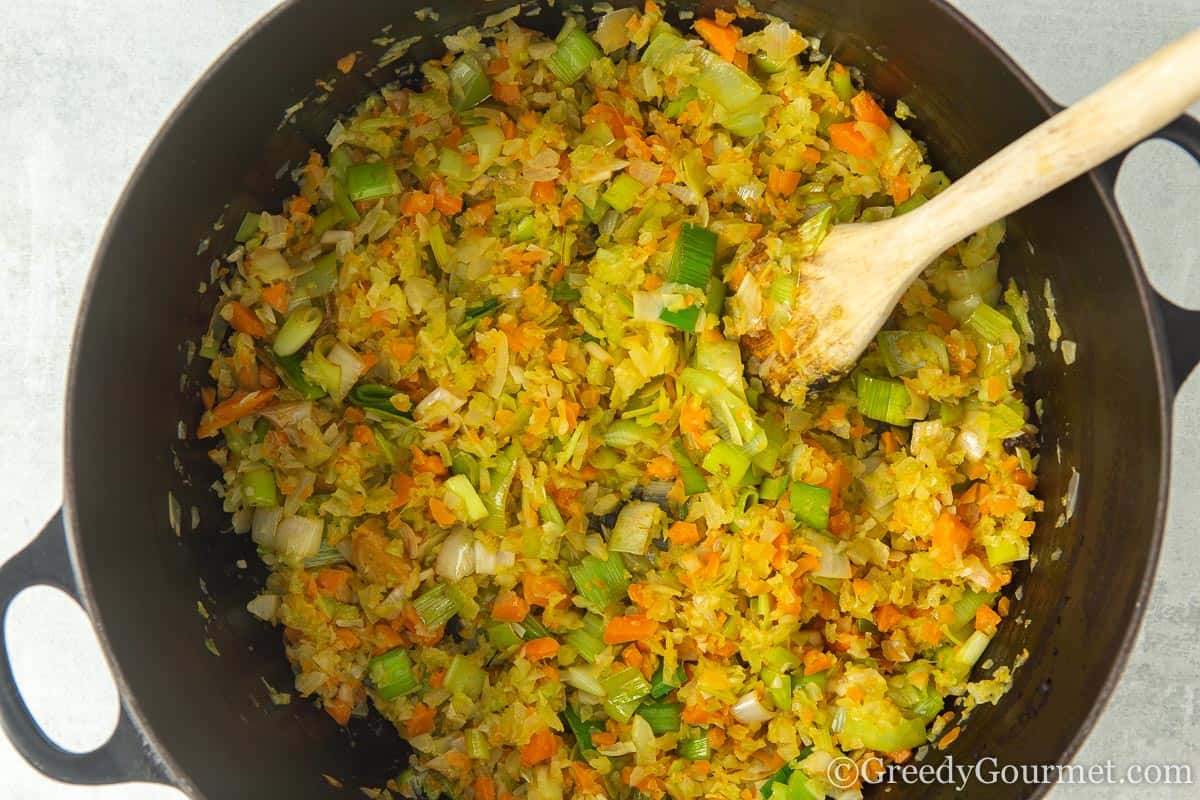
x=1131, y=107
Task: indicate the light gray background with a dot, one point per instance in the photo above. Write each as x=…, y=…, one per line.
x=85, y=85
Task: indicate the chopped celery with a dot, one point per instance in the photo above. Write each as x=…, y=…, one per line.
x=695, y=748
x=662, y=685
x=768, y=65
x=600, y=581
x=496, y=499
x=319, y=280
x=624, y=690
x=342, y=200
x=248, y=228
x=502, y=636
x=464, y=676
x=460, y=486
x=587, y=642
x=664, y=45
x=574, y=53
x=726, y=83
x=624, y=192
x=990, y=325
x=469, y=84
x=391, y=674
x=772, y=488
x=810, y=505
x=693, y=479
x=327, y=220
x=727, y=461
x=258, y=488
x=905, y=352
x=436, y=606
x=625, y=433
x=372, y=180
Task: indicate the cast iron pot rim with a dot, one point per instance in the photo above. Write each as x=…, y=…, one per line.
x=175, y=774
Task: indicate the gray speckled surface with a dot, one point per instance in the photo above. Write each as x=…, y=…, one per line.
x=84, y=86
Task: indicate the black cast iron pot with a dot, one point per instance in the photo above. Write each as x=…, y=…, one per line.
x=205, y=724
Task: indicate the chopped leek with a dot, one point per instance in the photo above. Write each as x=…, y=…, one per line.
x=496, y=499
x=662, y=717
x=810, y=505
x=468, y=498
x=624, y=690
x=469, y=84
x=581, y=730
x=726, y=83
x=327, y=220
x=694, y=256
x=293, y=376
x=574, y=53
x=477, y=745
x=464, y=676
x=391, y=674
x=600, y=581
x=768, y=65
x=684, y=319
x=319, y=280
x=436, y=606
x=677, y=104
x=372, y=180
x=378, y=398
x=905, y=352
x=771, y=489
x=502, y=636
x=664, y=45
x=693, y=479
x=625, y=433
x=694, y=749
x=884, y=400
x=588, y=644
x=635, y=526
x=728, y=462
x=662, y=685
x=297, y=329
x=991, y=325
x=258, y=488
x=624, y=192
x=248, y=228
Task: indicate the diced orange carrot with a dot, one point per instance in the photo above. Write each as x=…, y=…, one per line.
x=432, y=464
x=363, y=435
x=444, y=201
x=509, y=607
x=403, y=351
x=238, y=405
x=538, y=649
x=441, y=513
x=900, y=189
x=887, y=617
x=421, y=720
x=986, y=620
x=541, y=747
x=402, y=485
x=543, y=192
x=587, y=781
x=888, y=440
x=347, y=638
x=331, y=580
x=811, y=154
x=543, y=590
x=415, y=203
x=662, y=467
x=346, y=63
x=867, y=110
x=782, y=181
x=339, y=710
x=951, y=538
x=276, y=296
x=816, y=661
x=630, y=628
x=845, y=137
x=683, y=532
x=485, y=788
x=243, y=320
x=507, y=93
x=721, y=38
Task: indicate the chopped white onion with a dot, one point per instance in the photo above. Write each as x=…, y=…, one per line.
x=456, y=559
x=648, y=306
x=309, y=682
x=299, y=536
x=644, y=171
x=611, y=34
x=262, y=529
x=485, y=559
x=972, y=444
x=304, y=483
x=437, y=404
x=499, y=377
x=287, y=414
x=265, y=607
x=833, y=564
x=749, y=710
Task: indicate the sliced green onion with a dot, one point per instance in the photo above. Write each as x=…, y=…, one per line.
x=678, y=104
x=258, y=488
x=684, y=319
x=248, y=228
x=635, y=527
x=726, y=83
x=469, y=84
x=461, y=488
x=728, y=462
x=436, y=606
x=694, y=256
x=991, y=325
x=693, y=479
x=810, y=505
x=695, y=749
x=477, y=745
x=371, y=181
x=600, y=581
x=884, y=400
x=327, y=220
x=502, y=636
x=293, y=376
x=663, y=717
x=391, y=674
x=574, y=53
x=664, y=45
x=297, y=329
x=771, y=489
x=905, y=352
x=662, y=685
x=624, y=192
x=464, y=676
x=714, y=299
x=377, y=397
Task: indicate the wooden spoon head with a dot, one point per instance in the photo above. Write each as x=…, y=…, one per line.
x=842, y=296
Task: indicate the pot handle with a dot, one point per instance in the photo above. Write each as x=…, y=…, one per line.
x=123, y=758
x=1180, y=326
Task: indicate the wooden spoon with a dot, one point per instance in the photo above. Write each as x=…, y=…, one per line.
x=847, y=290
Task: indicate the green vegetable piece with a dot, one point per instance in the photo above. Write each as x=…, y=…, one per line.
x=810, y=505
x=391, y=674
x=469, y=84
x=258, y=488
x=575, y=52
x=297, y=329
x=371, y=181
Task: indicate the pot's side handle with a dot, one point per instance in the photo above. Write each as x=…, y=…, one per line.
x=123, y=758
x=1181, y=325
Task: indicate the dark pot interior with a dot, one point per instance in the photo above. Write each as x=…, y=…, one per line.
x=211, y=717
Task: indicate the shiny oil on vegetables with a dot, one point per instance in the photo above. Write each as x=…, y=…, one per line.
x=484, y=412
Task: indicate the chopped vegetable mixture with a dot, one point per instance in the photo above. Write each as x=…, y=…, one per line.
x=482, y=406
